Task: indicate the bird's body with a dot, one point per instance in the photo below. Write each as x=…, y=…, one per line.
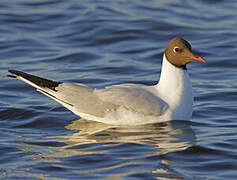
x=124, y=104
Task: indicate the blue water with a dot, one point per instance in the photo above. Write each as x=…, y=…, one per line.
x=101, y=43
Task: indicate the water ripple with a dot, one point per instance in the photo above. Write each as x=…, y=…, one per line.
x=102, y=43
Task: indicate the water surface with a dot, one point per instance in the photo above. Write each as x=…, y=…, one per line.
x=102, y=43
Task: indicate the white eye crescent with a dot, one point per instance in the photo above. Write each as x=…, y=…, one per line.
x=176, y=49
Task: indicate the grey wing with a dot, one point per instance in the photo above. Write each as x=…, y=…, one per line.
x=98, y=102
x=135, y=98
x=78, y=98
x=83, y=99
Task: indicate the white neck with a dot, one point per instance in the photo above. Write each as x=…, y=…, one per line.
x=175, y=89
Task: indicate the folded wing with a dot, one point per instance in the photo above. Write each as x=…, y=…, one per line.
x=133, y=97
x=83, y=100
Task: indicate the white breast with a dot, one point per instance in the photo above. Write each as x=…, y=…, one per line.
x=175, y=89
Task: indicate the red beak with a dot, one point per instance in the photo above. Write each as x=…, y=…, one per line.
x=197, y=58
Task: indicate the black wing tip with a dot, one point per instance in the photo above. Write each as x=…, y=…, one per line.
x=15, y=72
x=11, y=76
x=11, y=70
x=35, y=79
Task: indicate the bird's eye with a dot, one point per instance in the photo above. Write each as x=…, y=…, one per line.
x=176, y=49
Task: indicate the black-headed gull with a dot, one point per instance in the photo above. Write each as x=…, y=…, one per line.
x=129, y=104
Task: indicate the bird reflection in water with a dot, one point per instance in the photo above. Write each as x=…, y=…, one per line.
x=152, y=140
